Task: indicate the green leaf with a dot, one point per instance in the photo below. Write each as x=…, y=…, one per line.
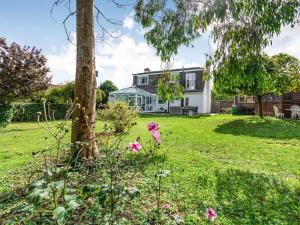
x=72, y=205
x=57, y=185
x=133, y=192
x=23, y=208
x=37, y=184
x=61, y=215
x=103, y=194
x=69, y=198
x=88, y=188
x=38, y=194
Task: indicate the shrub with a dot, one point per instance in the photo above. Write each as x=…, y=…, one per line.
x=118, y=115
x=6, y=114
x=61, y=94
x=225, y=110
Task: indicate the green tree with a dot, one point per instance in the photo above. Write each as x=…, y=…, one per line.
x=107, y=86
x=287, y=76
x=169, y=88
x=23, y=73
x=258, y=71
x=239, y=27
x=62, y=94
x=99, y=98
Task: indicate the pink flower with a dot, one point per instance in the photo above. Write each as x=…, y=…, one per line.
x=211, y=214
x=135, y=146
x=153, y=126
x=156, y=136
x=165, y=206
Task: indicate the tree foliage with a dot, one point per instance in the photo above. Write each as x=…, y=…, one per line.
x=258, y=76
x=287, y=76
x=23, y=71
x=61, y=94
x=169, y=88
x=239, y=27
x=241, y=30
x=230, y=77
x=107, y=86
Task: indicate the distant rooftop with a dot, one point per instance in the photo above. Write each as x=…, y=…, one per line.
x=148, y=71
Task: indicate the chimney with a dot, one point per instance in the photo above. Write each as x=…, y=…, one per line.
x=146, y=70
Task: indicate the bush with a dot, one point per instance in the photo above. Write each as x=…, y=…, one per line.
x=6, y=114
x=28, y=111
x=61, y=94
x=118, y=115
x=225, y=110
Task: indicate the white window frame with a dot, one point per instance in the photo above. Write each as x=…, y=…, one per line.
x=190, y=78
x=140, y=79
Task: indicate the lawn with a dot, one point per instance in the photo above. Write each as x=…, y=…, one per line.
x=246, y=168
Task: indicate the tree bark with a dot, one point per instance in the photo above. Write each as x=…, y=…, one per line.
x=259, y=99
x=83, y=129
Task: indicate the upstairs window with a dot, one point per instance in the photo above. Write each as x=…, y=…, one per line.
x=142, y=80
x=190, y=81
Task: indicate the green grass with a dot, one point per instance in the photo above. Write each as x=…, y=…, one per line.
x=246, y=168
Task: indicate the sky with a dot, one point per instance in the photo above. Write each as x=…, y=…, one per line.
x=30, y=23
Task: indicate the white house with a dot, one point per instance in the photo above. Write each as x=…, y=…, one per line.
x=143, y=92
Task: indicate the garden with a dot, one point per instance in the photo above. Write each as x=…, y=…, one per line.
x=244, y=168
x=69, y=155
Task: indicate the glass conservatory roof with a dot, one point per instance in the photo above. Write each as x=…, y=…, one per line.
x=131, y=90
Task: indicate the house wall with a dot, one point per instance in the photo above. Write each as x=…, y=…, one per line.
x=195, y=99
x=207, y=96
x=199, y=97
x=154, y=77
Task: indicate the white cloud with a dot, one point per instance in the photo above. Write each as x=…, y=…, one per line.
x=128, y=22
x=287, y=42
x=115, y=61
x=62, y=63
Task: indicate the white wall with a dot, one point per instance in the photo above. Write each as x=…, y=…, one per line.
x=175, y=103
x=195, y=99
x=207, y=96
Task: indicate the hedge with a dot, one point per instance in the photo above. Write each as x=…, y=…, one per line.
x=29, y=111
x=6, y=114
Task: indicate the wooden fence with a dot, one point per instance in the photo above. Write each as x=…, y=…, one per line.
x=243, y=107
x=218, y=106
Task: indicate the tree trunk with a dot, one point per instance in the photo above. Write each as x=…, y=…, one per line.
x=259, y=99
x=83, y=129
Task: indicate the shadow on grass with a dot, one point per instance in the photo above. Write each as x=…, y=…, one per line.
x=247, y=198
x=263, y=128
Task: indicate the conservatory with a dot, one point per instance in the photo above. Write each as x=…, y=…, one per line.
x=134, y=96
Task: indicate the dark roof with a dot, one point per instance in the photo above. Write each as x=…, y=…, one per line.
x=173, y=70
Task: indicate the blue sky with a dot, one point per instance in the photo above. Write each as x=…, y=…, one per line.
x=29, y=23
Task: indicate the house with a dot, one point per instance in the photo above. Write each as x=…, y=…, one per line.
x=143, y=92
